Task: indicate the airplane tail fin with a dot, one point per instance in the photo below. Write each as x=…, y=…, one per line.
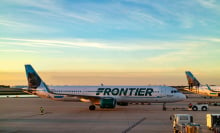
x=192, y=81
x=35, y=84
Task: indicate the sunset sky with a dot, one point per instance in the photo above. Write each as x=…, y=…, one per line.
x=119, y=42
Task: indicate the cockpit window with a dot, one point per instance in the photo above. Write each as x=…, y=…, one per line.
x=174, y=91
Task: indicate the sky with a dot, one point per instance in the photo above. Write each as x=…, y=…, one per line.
x=110, y=41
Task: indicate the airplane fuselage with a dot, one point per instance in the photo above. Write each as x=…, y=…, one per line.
x=206, y=91
x=159, y=94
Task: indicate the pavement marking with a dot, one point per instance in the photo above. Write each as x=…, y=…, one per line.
x=134, y=125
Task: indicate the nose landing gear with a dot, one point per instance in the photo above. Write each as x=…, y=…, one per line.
x=164, y=107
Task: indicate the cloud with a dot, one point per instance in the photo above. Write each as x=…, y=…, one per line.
x=210, y=39
x=185, y=14
x=17, y=51
x=171, y=57
x=145, y=17
x=59, y=10
x=18, y=25
x=203, y=38
x=197, y=51
x=83, y=43
x=129, y=14
x=32, y=43
x=57, y=43
x=112, y=14
x=207, y=3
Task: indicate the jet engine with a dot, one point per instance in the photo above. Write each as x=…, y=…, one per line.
x=107, y=102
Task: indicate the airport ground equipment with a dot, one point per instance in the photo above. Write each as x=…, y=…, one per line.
x=202, y=107
x=183, y=123
x=213, y=122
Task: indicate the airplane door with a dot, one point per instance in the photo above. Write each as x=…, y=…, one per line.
x=163, y=92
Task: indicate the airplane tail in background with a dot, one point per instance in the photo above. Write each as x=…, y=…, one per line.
x=35, y=84
x=192, y=81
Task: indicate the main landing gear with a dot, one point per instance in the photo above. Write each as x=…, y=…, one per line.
x=164, y=107
x=92, y=107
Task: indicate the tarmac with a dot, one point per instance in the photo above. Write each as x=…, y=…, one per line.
x=22, y=115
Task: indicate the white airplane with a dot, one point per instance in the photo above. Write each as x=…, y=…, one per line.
x=104, y=96
x=195, y=86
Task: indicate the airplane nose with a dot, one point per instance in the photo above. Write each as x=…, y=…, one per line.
x=183, y=97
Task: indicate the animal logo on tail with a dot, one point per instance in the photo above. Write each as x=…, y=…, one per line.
x=192, y=81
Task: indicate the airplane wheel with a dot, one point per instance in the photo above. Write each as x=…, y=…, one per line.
x=194, y=108
x=176, y=131
x=204, y=108
x=92, y=107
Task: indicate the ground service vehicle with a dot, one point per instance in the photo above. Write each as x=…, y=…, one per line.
x=183, y=123
x=203, y=107
x=213, y=122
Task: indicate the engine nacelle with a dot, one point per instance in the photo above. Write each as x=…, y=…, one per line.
x=122, y=103
x=107, y=102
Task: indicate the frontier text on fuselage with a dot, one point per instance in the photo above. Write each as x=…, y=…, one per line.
x=125, y=91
